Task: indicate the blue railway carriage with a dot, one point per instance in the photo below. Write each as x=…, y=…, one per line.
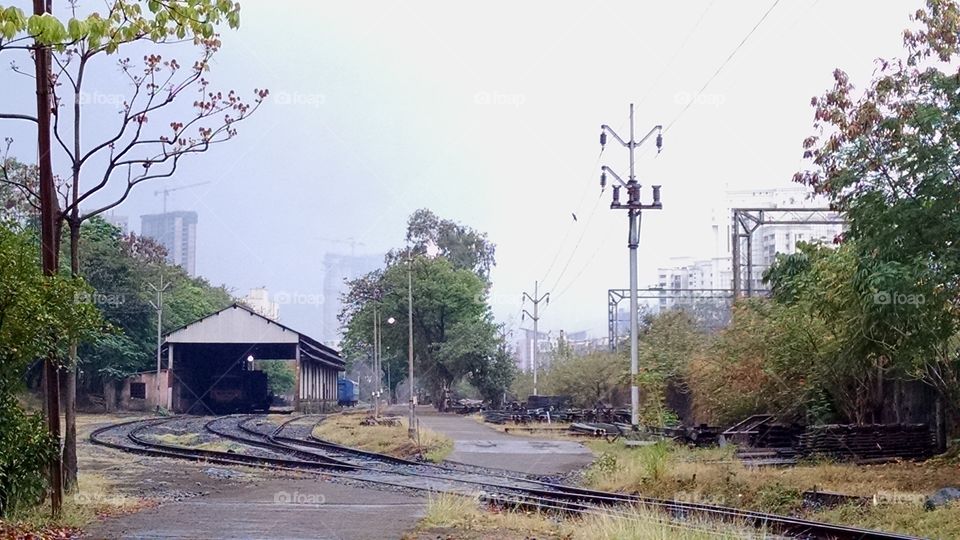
x=348, y=392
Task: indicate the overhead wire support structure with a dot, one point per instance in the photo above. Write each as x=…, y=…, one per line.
x=535, y=299
x=633, y=206
x=747, y=220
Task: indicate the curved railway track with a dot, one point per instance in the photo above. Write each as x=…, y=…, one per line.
x=279, y=451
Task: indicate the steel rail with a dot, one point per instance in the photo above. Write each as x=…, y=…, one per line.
x=557, y=497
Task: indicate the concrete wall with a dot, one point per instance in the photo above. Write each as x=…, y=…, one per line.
x=149, y=401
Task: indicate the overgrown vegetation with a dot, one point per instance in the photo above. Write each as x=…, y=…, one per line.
x=715, y=476
x=462, y=517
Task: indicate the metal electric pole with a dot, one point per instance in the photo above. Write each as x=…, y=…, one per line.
x=158, y=306
x=633, y=206
x=536, y=299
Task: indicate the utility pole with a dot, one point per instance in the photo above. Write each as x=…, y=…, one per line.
x=49, y=215
x=158, y=306
x=536, y=299
x=411, y=428
x=633, y=207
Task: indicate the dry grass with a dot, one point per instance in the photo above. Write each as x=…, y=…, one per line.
x=462, y=517
x=346, y=429
x=714, y=476
x=95, y=497
x=940, y=523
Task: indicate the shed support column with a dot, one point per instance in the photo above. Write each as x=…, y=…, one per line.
x=169, y=389
x=297, y=387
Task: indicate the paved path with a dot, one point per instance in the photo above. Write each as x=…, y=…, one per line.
x=275, y=509
x=477, y=444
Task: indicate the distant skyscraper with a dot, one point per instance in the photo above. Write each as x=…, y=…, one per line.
x=337, y=269
x=177, y=232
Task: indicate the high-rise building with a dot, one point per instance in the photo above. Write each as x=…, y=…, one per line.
x=259, y=300
x=177, y=232
x=339, y=268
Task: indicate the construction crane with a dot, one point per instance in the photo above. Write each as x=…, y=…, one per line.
x=352, y=242
x=166, y=192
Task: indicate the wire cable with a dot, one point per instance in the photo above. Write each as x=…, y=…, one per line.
x=723, y=65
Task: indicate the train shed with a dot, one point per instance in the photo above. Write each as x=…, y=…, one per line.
x=206, y=358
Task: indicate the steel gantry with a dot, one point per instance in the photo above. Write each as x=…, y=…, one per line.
x=615, y=296
x=748, y=220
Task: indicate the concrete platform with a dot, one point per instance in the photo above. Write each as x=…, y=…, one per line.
x=276, y=509
x=477, y=444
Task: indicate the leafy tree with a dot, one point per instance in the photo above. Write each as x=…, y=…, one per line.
x=37, y=314
x=887, y=157
x=463, y=246
x=442, y=297
x=453, y=334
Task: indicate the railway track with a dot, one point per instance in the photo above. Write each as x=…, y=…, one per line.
x=276, y=448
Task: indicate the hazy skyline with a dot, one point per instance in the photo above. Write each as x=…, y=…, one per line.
x=489, y=114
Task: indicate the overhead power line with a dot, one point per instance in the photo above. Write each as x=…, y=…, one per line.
x=723, y=65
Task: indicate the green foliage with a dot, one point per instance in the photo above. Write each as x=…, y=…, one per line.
x=25, y=450
x=280, y=376
x=666, y=347
x=39, y=315
x=463, y=246
x=587, y=379
x=887, y=157
x=453, y=334
x=124, y=22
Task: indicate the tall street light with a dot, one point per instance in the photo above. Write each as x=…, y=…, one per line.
x=411, y=428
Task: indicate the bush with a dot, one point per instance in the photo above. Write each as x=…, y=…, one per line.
x=25, y=451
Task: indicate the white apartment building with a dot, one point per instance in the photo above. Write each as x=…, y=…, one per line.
x=259, y=300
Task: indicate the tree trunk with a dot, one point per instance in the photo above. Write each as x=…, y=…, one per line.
x=70, y=399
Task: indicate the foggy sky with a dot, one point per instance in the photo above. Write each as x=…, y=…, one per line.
x=489, y=113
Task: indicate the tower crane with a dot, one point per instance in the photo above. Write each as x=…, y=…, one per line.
x=166, y=191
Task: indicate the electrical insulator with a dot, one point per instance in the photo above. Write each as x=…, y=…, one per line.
x=603, y=138
x=603, y=180
x=659, y=142
x=616, y=194
x=656, y=194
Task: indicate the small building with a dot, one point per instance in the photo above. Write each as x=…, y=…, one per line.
x=210, y=366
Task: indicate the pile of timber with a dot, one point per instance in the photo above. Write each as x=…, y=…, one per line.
x=867, y=442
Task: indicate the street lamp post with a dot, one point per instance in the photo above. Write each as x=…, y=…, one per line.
x=411, y=428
